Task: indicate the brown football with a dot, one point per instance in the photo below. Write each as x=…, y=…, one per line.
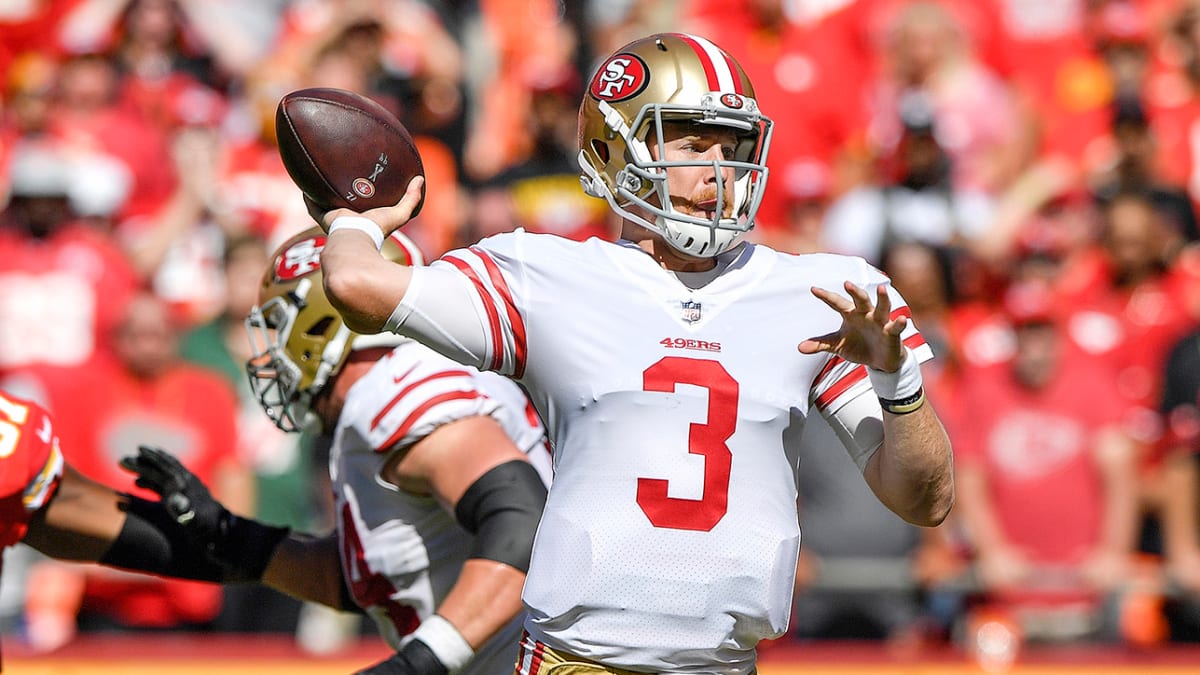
x=345, y=150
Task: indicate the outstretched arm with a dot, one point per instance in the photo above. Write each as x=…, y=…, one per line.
x=202, y=532
x=81, y=521
x=88, y=521
x=303, y=566
x=912, y=472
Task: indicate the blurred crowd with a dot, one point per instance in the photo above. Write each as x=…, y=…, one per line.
x=1026, y=171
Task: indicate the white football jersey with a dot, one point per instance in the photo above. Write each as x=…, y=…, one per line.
x=401, y=553
x=670, y=538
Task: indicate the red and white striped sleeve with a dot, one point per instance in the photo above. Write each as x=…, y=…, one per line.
x=505, y=334
x=840, y=381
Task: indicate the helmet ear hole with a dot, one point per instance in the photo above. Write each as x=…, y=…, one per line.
x=601, y=150
x=320, y=328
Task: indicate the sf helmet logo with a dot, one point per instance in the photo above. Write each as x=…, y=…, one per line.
x=302, y=258
x=732, y=101
x=621, y=77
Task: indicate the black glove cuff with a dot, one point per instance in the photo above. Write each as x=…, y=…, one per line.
x=245, y=547
x=152, y=541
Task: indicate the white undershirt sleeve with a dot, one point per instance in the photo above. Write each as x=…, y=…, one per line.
x=441, y=310
x=859, y=425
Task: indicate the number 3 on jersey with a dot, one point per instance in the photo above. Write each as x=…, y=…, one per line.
x=707, y=440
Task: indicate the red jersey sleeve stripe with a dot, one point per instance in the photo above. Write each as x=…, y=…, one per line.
x=855, y=376
x=493, y=317
x=838, y=388
x=515, y=320
x=407, y=390
x=425, y=407
x=829, y=366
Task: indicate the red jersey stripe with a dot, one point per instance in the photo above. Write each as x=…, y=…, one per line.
x=521, y=653
x=832, y=363
x=492, y=316
x=848, y=380
x=411, y=420
x=405, y=391
x=515, y=320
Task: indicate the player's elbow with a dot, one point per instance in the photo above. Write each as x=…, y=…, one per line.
x=346, y=287
x=935, y=508
x=940, y=512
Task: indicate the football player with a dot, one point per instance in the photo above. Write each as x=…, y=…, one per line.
x=439, y=474
x=674, y=369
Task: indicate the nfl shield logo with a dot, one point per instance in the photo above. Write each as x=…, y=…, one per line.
x=691, y=311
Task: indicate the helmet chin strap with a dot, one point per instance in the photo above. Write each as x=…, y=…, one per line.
x=593, y=184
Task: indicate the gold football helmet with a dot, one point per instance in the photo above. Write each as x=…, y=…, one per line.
x=672, y=77
x=298, y=340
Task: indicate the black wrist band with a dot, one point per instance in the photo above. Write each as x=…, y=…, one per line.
x=905, y=405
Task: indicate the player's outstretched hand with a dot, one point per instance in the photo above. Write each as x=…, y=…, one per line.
x=868, y=334
x=183, y=495
x=241, y=546
x=388, y=218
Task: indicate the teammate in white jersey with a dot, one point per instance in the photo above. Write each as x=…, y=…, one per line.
x=674, y=368
x=438, y=472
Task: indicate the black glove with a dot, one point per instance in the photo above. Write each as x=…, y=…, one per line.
x=183, y=495
x=415, y=658
x=243, y=547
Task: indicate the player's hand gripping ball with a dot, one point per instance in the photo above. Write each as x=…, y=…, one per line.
x=344, y=150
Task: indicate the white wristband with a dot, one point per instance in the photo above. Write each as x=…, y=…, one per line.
x=444, y=640
x=360, y=223
x=902, y=384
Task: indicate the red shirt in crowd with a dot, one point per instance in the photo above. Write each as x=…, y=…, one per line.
x=188, y=411
x=1132, y=331
x=807, y=76
x=1036, y=448
x=59, y=296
